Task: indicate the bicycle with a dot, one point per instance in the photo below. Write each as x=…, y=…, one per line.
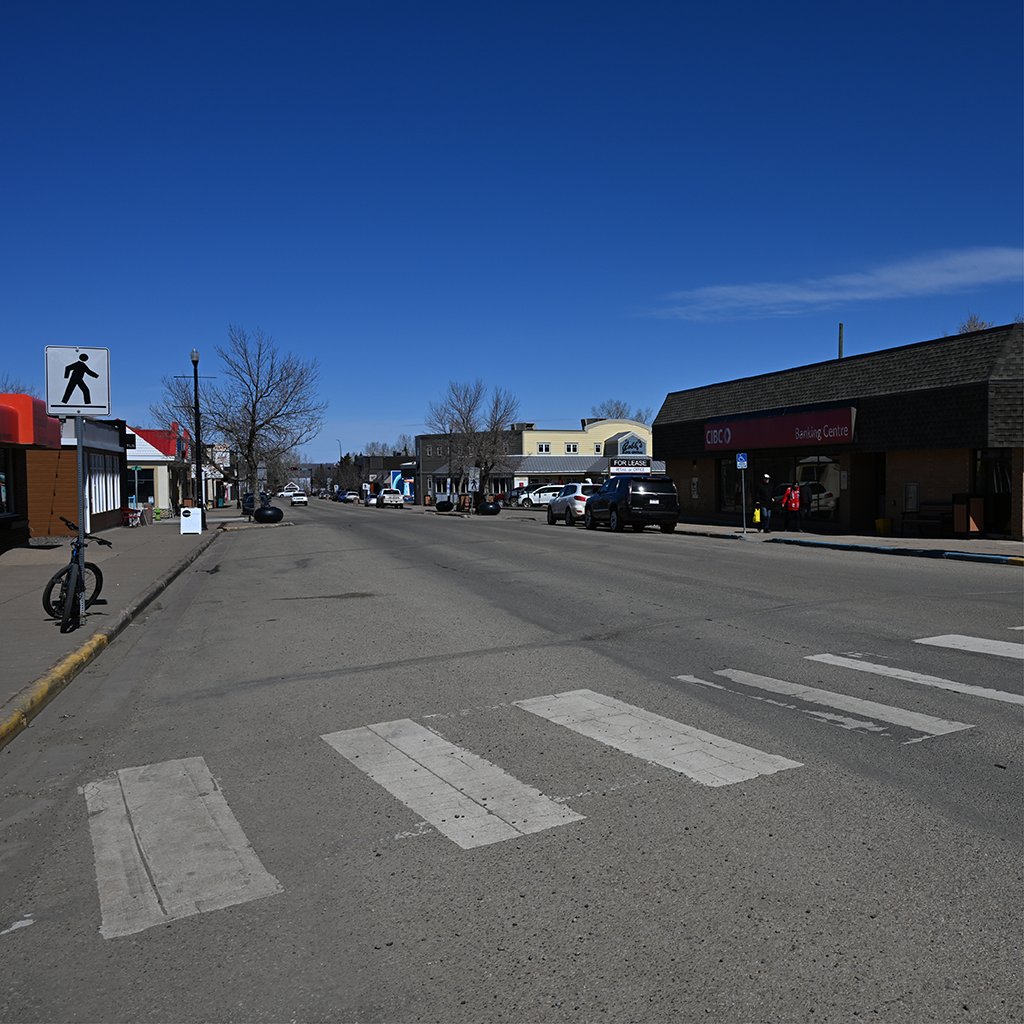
x=61, y=597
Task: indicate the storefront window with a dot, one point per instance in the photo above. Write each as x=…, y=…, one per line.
x=140, y=487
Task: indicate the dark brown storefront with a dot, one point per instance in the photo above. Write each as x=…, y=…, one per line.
x=921, y=438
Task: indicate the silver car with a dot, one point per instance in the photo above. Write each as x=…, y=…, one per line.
x=567, y=506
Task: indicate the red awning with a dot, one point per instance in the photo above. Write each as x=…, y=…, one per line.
x=23, y=421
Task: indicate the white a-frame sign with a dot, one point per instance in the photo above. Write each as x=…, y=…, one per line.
x=77, y=381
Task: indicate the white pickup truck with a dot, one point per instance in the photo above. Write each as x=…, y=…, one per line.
x=390, y=496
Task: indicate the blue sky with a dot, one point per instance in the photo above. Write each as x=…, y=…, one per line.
x=574, y=200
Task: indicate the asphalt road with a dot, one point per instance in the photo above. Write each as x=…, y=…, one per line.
x=718, y=829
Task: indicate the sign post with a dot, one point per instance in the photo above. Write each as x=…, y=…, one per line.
x=81, y=377
x=741, y=465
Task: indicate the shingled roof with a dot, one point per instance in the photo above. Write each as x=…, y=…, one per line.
x=996, y=353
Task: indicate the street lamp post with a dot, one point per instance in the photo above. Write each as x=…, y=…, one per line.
x=200, y=487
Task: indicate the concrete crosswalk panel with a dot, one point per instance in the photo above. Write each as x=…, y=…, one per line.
x=167, y=846
x=465, y=797
x=701, y=756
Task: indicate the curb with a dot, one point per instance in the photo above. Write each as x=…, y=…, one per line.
x=34, y=697
x=957, y=556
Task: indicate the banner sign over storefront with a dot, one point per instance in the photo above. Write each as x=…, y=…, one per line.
x=788, y=430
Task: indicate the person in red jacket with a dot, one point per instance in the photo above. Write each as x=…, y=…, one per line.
x=791, y=505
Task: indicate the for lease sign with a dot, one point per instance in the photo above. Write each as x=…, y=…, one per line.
x=785, y=430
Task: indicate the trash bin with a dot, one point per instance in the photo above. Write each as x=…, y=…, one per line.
x=191, y=520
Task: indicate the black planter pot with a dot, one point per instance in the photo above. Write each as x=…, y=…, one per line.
x=445, y=506
x=488, y=508
x=268, y=514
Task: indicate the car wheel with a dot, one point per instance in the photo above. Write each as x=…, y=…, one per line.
x=551, y=517
x=527, y=503
x=569, y=521
x=614, y=522
x=588, y=520
x=668, y=527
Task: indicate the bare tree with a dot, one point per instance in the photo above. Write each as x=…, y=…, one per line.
x=475, y=429
x=493, y=442
x=10, y=385
x=378, y=448
x=264, y=405
x=406, y=444
x=973, y=323
x=617, y=409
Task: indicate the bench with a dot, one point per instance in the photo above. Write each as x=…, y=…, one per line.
x=932, y=518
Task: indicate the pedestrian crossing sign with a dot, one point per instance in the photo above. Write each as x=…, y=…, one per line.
x=77, y=381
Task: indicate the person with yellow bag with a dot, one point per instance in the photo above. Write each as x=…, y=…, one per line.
x=763, y=501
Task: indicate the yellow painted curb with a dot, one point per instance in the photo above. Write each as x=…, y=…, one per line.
x=37, y=695
x=1015, y=561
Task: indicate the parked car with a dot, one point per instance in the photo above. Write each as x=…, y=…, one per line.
x=540, y=495
x=299, y=498
x=390, y=497
x=567, y=506
x=511, y=499
x=634, y=501
x=824, y=503
x=346, y=496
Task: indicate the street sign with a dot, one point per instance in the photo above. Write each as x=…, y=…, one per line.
x=77, y=381
x=741, y=460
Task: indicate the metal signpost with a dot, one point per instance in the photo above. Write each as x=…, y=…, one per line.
x=81, y=377
x=741, y=465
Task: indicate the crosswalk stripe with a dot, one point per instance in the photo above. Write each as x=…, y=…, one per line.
x=701, y=756
x=466, y=798
x=976, y=645
x=918, y=677
x=167, y=846
x=866, y=708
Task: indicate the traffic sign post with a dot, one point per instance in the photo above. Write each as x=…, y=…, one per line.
x=741, y=465
x=78, y=385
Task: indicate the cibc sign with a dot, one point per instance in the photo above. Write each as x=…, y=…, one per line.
x=785, y=430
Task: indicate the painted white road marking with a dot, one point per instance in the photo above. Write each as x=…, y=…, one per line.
x=843, y=721
x=701, y=756
x=976, y=645
x=25, y=921
x=917, y=677
x=167, y=846
x=868, y=709
x=466, y=798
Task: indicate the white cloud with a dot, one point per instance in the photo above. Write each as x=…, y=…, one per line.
x=925, y=275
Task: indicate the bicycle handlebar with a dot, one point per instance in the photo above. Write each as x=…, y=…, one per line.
x=74, y=526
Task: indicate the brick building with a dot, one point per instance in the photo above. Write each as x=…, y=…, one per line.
x=928, y=436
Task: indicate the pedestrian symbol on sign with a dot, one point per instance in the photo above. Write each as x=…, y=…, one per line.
x=81, y=377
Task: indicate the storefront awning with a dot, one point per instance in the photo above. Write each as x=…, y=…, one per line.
x=23, y=421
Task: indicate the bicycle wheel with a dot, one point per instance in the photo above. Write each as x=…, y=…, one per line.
x=93, y=580
x=69, y=600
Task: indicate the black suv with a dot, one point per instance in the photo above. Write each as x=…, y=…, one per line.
x=635, y=501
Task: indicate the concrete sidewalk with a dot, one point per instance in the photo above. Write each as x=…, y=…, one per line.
x=965, y=549
x=39, y=660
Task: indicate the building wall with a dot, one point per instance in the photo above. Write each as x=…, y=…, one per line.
x=594, y=433
x=684, y=473
x=1017, y=498
x=52, y=478
x=938, y=473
